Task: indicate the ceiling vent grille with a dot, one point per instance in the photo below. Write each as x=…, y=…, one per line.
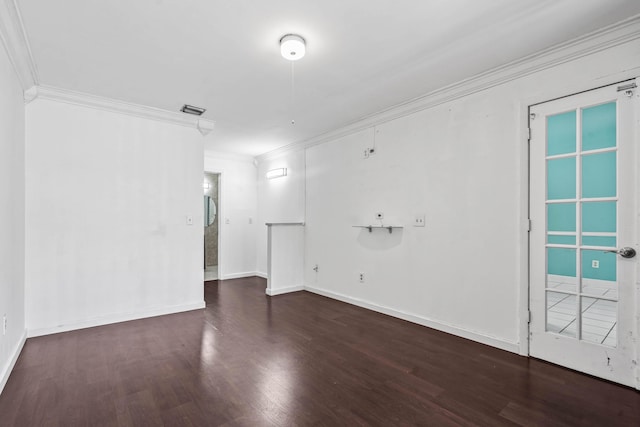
x=190, y=109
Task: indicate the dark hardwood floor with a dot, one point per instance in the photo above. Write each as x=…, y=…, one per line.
x=296, y=359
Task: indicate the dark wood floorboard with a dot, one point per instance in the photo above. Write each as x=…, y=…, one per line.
x=296, y=359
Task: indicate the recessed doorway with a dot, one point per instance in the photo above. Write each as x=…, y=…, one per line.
x=211, y=205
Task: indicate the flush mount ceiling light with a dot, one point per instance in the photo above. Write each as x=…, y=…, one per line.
x=190, y=109
x=292, y=47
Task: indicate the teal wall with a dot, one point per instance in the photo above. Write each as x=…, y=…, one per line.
x=561, y=261
x=607, y=270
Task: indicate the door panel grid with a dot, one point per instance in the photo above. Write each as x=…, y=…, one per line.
x=581, y=171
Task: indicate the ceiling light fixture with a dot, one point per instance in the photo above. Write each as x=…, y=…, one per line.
x=292, y=47
x=190, y=109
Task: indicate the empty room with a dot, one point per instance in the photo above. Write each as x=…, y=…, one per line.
x=336, y=213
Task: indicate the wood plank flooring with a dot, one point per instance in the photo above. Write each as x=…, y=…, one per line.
x=296, y=359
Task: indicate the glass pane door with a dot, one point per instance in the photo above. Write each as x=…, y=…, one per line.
x=581, y=290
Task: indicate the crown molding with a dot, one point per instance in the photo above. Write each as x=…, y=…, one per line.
x=204, y=126
x=30, y=94
x=599, y=40
x=15, y=41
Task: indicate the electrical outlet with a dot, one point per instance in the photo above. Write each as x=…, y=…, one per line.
x=595, y=263
x=361, y=277
x=379, y=215
x=4, y=325
x=419, y=221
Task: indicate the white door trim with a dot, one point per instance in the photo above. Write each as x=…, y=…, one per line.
x=220, y=208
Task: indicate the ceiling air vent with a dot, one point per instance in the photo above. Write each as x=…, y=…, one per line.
x=190, y=109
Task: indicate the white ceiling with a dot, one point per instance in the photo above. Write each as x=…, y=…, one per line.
x=362, y=55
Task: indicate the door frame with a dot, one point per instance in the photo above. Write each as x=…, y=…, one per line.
x=524, y=108
x=219, y=213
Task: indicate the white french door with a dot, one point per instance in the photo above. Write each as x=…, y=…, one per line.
x=584, y=214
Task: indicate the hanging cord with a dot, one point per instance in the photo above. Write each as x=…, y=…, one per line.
x=293, y=93
x=375, y=132
x=373, y=148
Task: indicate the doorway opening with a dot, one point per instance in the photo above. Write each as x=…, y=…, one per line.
x=211, y=187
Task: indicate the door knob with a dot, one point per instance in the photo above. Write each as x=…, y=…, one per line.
x=625, y=252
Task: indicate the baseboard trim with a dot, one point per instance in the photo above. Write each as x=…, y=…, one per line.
x=261, y=274
x=12, y=362
x=115, y=318
x=420, y=320
x=274, y=292
x=239, y=275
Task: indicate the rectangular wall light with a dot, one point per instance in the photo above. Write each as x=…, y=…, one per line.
x=276, y=173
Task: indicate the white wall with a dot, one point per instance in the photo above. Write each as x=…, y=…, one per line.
x=237, y=213
x=12, y=164
x=107, y=200
x=457, y=165
x=463, y=164
x=285, y=258
x=280, y=199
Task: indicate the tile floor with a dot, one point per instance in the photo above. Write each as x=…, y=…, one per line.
x=211, y=273
x=599, y=316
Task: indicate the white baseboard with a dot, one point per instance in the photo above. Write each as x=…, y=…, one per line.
x=115, y=318
x=6, y=371
x=261, y=274
x=420, y=320
x=281, y=291
x=240, y=275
